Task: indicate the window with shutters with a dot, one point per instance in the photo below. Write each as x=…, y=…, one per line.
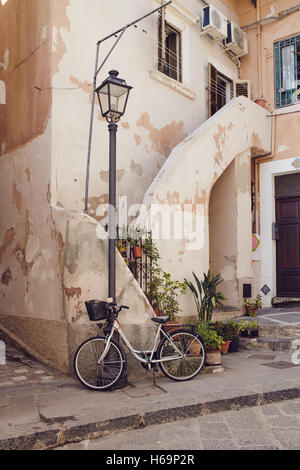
x=220, y=90
x=287, y=71
x=169, y=50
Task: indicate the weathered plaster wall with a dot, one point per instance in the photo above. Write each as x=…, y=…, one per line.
x=286, y=126
x=85, y=278
x=157, y=118
x=286, y=122
x=25, y=48
x=30, y=245
x=236, y=130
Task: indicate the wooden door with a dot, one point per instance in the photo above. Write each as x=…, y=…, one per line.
x=288, y=246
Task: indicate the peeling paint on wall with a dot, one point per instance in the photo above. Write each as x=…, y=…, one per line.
x=138, y=139
x=6, y=277
x=104, y=175
x=84, y=85
x=17, y=197
x=164, y=139
x=27, y=171
x=8, y=239
x=94, y=203
x=136, y=168
x=72, y=292
x=61, y=21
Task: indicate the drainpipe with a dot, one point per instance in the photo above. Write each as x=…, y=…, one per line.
x=258, y=160
x=259, y=28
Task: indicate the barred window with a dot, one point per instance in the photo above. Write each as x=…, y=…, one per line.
x=287, y=71
x=169, y=50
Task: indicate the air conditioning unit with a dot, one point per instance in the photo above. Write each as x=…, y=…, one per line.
x=236, y=41
x=213, y=23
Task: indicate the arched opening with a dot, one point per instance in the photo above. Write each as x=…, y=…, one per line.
x=230, y=249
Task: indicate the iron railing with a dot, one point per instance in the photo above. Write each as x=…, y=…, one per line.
x=141, y=268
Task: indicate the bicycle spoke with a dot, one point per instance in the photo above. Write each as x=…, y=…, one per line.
x=98, y=375
x=191, y=358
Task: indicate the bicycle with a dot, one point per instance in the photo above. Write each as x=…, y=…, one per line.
x=100, y=361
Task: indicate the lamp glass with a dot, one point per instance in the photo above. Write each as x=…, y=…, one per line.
x=113, y=96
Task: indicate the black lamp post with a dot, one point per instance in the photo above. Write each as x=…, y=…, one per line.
x=113, y=95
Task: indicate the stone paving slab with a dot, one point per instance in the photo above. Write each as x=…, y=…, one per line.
x=36, y=413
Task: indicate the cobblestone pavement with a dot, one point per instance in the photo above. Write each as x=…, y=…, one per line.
x=267, y=427
x=20, y=370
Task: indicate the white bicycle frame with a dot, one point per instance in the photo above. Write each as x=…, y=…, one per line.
x=137, y=354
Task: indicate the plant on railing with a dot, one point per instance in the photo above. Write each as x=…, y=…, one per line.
x=205, y=295
x=164, y=292
x=167, y=295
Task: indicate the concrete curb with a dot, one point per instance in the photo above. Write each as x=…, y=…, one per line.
x=65, y=435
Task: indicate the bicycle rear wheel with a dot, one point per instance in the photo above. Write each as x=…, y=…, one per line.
x=185, y=353
x=103, y=375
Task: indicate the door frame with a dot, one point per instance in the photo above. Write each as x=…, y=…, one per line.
x=283, y=198
x=267, y=272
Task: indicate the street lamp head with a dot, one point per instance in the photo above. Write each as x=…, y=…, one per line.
x=113, y=96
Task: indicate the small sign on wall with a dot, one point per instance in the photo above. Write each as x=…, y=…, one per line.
x=255, y=247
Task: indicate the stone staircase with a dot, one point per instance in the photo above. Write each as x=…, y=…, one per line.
x=272, y=338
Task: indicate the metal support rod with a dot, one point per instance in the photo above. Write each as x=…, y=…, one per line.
x=97, y=70
x=112, y=212
x=107, y=56
x=136, y=21
x=91, y=133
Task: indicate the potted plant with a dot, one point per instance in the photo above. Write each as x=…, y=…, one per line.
x=244, y=328
x=212, y=342
x=234, y=328
x=253, y=329
x=224, y=330
x=167, y=298
x=261, y=102
x=205, y=295
x=252, y=306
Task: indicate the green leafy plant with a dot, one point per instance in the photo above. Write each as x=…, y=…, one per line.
x=233, y=327
x=244, y=324
x=164, y=292
x=253, y=325
x=209, y=335
x=224, y=329
x=257, y=302
x=167, y=295
x=205, y=295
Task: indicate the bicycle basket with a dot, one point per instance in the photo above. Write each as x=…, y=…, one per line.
x=97, y=310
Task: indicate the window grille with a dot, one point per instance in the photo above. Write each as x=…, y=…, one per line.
x=287, y=71
x=169, y=50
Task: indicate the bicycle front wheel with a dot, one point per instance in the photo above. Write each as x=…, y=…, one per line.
x=182, y=356
x=97, y=375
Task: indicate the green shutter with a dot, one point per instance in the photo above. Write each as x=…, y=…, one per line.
x=277, y=74
x=285, y=97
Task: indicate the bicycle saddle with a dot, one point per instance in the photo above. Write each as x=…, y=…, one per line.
x=160, y=319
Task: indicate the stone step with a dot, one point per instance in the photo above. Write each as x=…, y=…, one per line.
x=280, y=331
x=286, y=302
x=267, y=343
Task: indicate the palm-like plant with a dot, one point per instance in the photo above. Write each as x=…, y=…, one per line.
x=205, y=295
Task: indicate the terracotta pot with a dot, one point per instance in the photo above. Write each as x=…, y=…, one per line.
x=168, y=327
x=225, y=347
x=252, y=311
x=213, y=357
x=195, y=349
x=261, y=102
x=137, y=252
